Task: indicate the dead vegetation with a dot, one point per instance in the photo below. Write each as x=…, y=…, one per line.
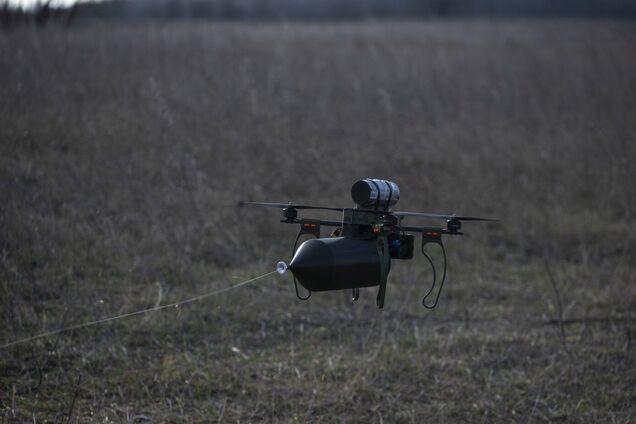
x=123, y=152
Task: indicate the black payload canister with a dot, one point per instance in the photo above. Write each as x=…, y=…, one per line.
x=336, y=263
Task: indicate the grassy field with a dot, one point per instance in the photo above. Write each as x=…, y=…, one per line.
x=124, y=150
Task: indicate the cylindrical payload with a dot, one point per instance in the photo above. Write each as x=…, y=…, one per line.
x=336, y=263
x=378, y=194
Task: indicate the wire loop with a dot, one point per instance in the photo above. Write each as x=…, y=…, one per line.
x=296, y=281
x=441, y=286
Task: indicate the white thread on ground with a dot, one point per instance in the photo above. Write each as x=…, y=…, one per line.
x=130, y=314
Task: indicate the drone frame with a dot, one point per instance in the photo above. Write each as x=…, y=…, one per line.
x=382, y=223
x=379, y=223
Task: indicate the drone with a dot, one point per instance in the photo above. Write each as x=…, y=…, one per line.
x=359, y=251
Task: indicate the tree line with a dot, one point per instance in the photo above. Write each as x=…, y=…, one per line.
x=44, y=12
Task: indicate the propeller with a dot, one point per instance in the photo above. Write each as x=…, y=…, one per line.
x=289, y=205
x=443, y=216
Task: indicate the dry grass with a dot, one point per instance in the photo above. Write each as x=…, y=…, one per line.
x=123, y=150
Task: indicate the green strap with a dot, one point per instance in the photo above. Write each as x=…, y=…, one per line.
x=385, y=264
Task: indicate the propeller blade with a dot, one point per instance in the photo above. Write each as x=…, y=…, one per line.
x=443, y=216
x=289, y=205
x=475, y=218
x=323, y=208
x=267, y=205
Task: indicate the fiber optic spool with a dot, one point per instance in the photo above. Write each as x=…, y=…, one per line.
x=378, y=194
x=281, y=267
x=336, y=264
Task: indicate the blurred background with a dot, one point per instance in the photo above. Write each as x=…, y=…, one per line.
x=130, y=130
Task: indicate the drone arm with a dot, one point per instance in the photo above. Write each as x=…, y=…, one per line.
x=307, y=223
x=431, y=230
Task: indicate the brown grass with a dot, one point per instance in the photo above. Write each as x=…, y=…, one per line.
x=123, y=150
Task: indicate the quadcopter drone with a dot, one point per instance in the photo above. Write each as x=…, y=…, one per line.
x=359, y=251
